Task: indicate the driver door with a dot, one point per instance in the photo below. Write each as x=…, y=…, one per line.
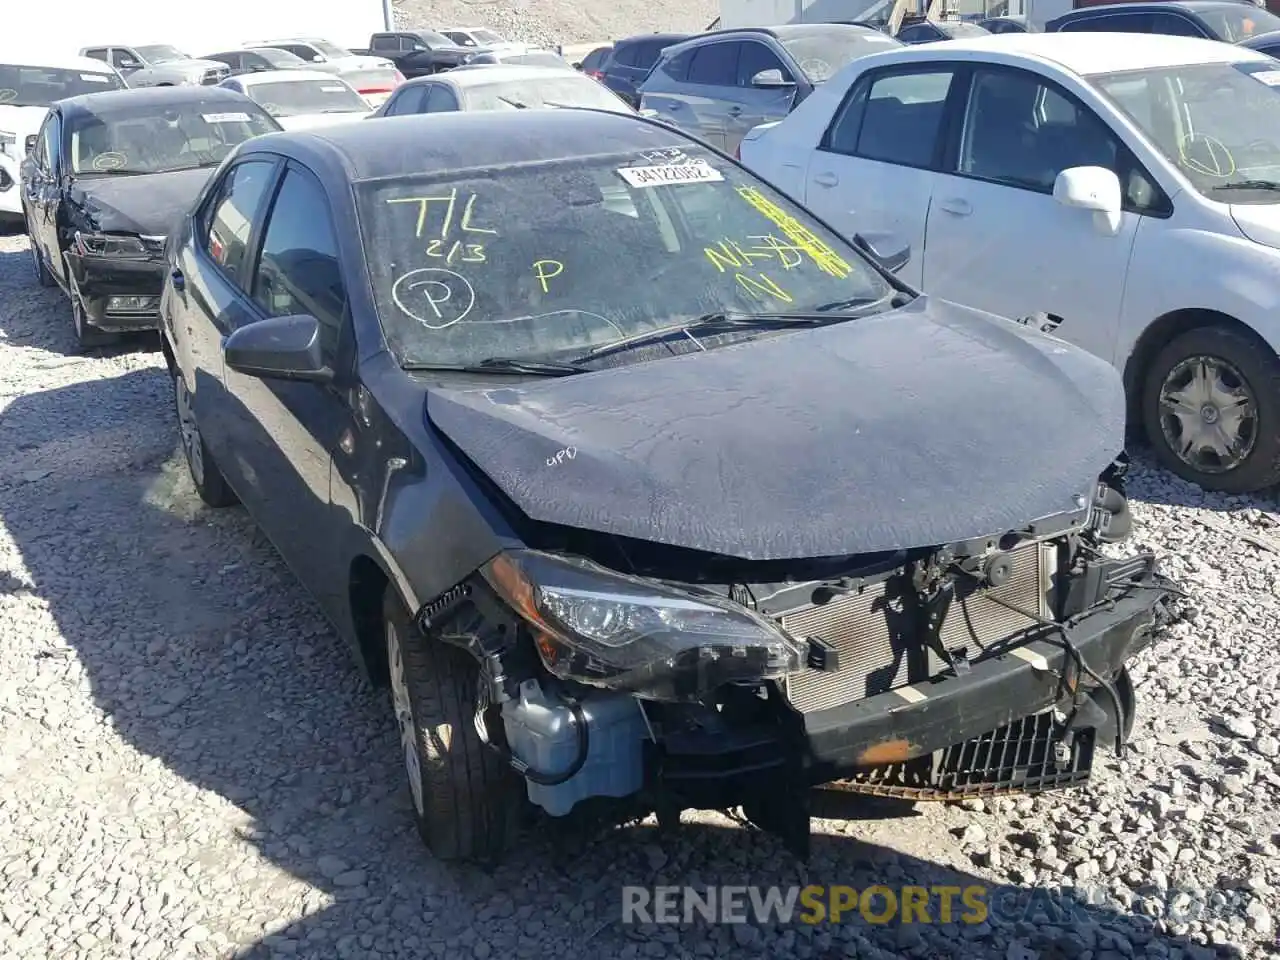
x=43, y=194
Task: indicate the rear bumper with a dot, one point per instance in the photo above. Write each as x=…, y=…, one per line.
x=119, y=294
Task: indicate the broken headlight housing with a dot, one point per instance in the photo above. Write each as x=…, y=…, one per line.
x=596, y=626
x=122, y=245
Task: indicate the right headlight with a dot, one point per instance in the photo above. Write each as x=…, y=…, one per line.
x=607, y=629
x=120, y=245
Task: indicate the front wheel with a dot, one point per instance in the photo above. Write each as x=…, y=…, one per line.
x=208, y=480
x=44, y=276
x=466, y=800
x=1211, y=408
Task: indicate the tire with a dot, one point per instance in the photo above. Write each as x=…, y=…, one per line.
x=88, y=337
x=208, y=480
x=466, y=799
x=43, y=275
x=1228, y=382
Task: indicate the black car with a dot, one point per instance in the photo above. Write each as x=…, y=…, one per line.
x=631, y=480
x=632, y=59
x=419, y=53
x=1226, y=20
x=259, y=60
x=108, y=177
x=1008, y=24
x=593, y=61
x=1268, y=43
x=931, y=31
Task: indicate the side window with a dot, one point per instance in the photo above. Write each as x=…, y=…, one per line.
x=300, y=50
x=1173, y=25
x=298, y=270
x=756, y=57
x=44, y=150
x=894, y=119
x=677, y=67
x=647, y=53
x=625, y=55
x=98, y=53
x=1021, y=131
x=1273, y=51
x=226, y=227
x=917, y=33
x=441, y=99
x=121, y=58
x=715, y=64
x=409, y=101
x=386, y=43
x=1111, y=23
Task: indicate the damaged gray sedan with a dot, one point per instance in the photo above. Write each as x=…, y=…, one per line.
x=641, y=488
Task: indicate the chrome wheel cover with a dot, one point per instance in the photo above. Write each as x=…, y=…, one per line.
x=1208, y=414
x=404, y=718
x=190, y=430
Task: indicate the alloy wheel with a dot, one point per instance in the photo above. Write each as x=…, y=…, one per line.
x=404, y=717
x=189, y=429
x=1208, y=414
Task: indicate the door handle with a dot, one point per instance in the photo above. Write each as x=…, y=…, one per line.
x=826, y=179
x=958, y=206
x=734, y=111
x=179, y=281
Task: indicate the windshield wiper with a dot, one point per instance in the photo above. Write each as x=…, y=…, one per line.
x=538, y=368
x=719, y=319
x=515, y=103
x=864, y=306
x=1248, y=185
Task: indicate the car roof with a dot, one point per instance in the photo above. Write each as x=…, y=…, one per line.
x=671, y=37
x=781, y=32
x=90, y=103
x=394, y=147
x=494, y=73
x=286, y=76
x=23, y=55
x=1190, y=6
x=1089, y=53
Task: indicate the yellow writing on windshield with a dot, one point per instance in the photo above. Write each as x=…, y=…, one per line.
x=822, y=255
x=762, y=286
x=450, y=201
x=544, y=270
x=731, y=254
x=462, y=252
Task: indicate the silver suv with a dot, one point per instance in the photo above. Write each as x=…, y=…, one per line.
x=719, y=85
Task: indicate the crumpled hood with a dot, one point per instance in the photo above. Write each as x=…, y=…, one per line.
x=914, y=428
x=149, y=204
x=305, y=121
x=1260, y=222
x=21, y=121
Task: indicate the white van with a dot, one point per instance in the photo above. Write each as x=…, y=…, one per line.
x=29, y=82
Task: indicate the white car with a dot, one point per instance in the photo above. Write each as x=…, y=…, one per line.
x=301, y=98
x=500, y=87
x=373, y=77
x=480, y=37
x=1124, y=187
x=29, y=82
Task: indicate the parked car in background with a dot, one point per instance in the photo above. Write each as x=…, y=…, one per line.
x=158, y=65
x=499, y=87
x=1133, y=161
x=1007, y=24
x=258, y=60
x=418, y=53
x=1225, y=20
x=109, y=176
x=437, y=389
x=632, y=59
x=476, y=37
x=720, y=85
x=29, y=82
x=374, y=77
x=1268, y=43
x=931, y=31
x=521, y=56
x=593, y=63
x=299, y=99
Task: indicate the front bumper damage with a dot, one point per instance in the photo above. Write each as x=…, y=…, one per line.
x=120, y=294
x=952, y=708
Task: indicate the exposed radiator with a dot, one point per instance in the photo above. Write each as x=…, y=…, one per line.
x=873, y=631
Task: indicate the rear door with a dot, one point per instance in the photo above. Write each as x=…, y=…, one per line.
x=874, y=170
x=753, y=106
x=709, y=98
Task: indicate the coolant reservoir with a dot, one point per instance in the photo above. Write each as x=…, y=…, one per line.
x=542, y=732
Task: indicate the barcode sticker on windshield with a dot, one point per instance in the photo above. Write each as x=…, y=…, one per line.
x=333, y=88
x=669, y=173
x=1270, y=77
x=226, y=117
x=95, y=77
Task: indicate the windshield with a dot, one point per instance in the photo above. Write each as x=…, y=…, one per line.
x=1239, y=21
x=957, y=29
x=23, y=86
x=330, y=50
x=144, y=140
x=820, y=54
x=285, y=98
x=1210, y=120
x=160, y=53
x=279, y=58
x=555, y=258
x=486, y=36
x=570, y=90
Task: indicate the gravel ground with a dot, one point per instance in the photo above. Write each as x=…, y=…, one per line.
x=548, y=22
x=191, y=766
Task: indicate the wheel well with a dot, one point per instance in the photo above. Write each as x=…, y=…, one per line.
x=1159, y=333
x=366, y=586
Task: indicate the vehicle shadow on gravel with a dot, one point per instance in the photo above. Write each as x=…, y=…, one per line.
x=289, y=832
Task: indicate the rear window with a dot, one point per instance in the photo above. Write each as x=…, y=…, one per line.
x=29, y=86
x=293, y=98
x=555, y=258
x=569, y=90
x=822, y=53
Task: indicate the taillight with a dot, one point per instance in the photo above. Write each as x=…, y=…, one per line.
x=399, y=78
x=596, y=75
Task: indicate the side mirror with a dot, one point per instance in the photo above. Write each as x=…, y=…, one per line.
x=278, y=348
x=316, y=58
x=30, y=143
x=885, y=249
x=1096, y=189
x=771, y=80
x=129, y=64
